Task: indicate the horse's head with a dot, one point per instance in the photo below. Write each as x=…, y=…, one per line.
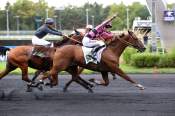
x=131, y=39
x=77, y=37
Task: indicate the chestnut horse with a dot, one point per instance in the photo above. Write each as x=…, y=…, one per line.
x=22, y=57
x=76, y=40
x=73, y=55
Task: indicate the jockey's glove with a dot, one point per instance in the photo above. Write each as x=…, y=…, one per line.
x=65, y=36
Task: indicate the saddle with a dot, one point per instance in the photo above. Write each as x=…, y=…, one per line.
x=42, y=51
x=93, y=54
x=96, y=49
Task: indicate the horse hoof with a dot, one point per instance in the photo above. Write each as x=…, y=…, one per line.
x=40, y=88
x=91, y=80
x=114, y=78
x=64, y=90
x=141, y=87
x=90, y=91
x=91, y=85
x=29, y=89
x=47, y=84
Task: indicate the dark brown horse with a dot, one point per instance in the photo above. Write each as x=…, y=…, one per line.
x=73, y=55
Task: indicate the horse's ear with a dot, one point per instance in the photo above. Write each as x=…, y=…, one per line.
x=121, y=35
x=129, y=32
x=77, y=32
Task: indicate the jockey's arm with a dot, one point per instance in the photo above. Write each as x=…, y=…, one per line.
x=107, y=37
x=53, y=31
x=106, y=22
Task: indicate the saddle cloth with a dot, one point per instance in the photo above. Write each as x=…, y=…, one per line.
x=42, y=51
x=88, y=56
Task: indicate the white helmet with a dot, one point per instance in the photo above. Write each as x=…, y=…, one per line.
x=89, y=26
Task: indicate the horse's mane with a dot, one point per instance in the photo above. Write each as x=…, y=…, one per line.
x=62, y=42
x=116, y=37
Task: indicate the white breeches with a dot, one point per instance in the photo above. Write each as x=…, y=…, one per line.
x=37, y=41
x=87, y=42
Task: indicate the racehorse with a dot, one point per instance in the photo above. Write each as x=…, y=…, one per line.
x=73, y=55
x=22, y=57
x=76, y=39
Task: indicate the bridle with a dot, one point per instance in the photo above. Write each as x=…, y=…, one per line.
x=120, y=39
x=74, y=40
x=124, y=41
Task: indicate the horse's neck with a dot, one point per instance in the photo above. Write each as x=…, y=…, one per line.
x=118, y=48
x=62, y=42
x=68, y=41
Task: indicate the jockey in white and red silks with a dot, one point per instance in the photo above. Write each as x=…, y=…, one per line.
x=96, y=36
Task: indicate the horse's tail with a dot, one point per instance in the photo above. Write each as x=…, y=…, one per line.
x=3, y=50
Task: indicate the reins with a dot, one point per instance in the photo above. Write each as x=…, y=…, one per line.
x=124, y=41
x=74, y=40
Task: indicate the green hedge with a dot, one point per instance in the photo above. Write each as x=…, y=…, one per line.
x=127, y=54
x=167, y=60
x=144, y=60
x=151, y=60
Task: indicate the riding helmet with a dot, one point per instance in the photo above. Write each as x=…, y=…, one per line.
x=49, y=21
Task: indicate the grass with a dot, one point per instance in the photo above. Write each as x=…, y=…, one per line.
x=126, y=68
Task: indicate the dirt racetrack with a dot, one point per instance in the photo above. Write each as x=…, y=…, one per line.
x=120, y=98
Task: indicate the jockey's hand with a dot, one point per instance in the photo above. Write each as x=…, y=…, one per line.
x=114, y=17
x=65, y=36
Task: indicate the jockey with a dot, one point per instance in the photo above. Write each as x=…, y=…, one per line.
x=83, y=31
x=88, y=28
x=99, y=32
x=47, y=27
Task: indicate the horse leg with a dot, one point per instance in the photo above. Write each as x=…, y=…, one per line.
x=79, y=81
x=71, y=70
x=9, y=68
x=75, y=77
x=126, y=77
x=45, y=75
x=80, y=70
x=24, y=70
x=104, y=82
x=86, y=82
x=67, y=85
x=36, y=74
x=114, y=76
x=54, y=75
